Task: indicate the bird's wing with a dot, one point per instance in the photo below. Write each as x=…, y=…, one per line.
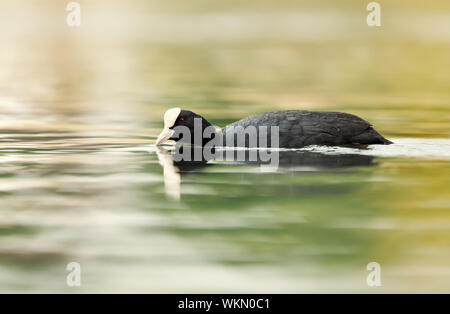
x=301, y=128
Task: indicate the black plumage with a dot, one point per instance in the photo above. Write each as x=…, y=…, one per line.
x=299, y=128
x=296, y=128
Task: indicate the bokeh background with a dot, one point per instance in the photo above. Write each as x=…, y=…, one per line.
x=80, y=108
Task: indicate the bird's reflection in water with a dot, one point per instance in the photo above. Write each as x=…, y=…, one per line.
x=172, y=177
x=182, y=160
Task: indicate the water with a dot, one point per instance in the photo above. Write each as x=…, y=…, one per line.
x=80, y=178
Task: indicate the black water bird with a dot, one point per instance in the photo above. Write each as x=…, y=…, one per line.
x=295, y=129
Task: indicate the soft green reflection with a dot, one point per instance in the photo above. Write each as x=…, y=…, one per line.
x=81, y=181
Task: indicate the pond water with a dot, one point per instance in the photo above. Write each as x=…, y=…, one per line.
x=81, y=180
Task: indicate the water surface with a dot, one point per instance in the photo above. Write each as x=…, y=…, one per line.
x=81, y=179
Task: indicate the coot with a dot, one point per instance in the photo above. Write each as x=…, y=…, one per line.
x=293, y=129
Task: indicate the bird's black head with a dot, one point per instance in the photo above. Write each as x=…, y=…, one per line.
x=183, y=126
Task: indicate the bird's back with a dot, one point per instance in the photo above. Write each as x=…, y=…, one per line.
x=298, y=128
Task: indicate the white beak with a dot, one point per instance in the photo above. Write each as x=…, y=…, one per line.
x=164, y=136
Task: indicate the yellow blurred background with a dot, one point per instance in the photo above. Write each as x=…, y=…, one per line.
x=81, y=106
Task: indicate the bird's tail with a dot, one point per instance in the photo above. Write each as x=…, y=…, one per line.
x=371, y=136
x=386, y=141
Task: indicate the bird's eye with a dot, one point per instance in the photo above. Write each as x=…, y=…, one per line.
x=181, y=120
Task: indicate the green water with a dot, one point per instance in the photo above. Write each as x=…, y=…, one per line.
x=81, y=180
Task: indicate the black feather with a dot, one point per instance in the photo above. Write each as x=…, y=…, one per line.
x=297, y=128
